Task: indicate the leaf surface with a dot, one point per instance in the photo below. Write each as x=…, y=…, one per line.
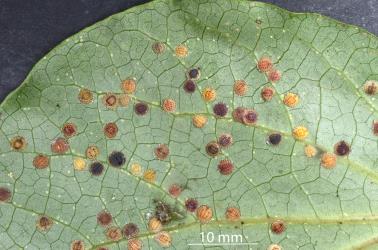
x=324, y=62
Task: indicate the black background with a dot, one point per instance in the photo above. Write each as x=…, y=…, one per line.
x=31, y=28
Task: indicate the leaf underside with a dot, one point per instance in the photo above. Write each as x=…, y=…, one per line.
x=324, y=62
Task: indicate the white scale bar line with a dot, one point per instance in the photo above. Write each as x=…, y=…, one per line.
x=221, y=244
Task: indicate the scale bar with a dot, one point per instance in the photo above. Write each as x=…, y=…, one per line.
x=221, y=244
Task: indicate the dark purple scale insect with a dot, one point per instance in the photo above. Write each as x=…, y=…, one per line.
x=141, y=108
x=194, y=74
x=220, y=109
x=117, y=159
x=191, y=204
x=250, y=117
x=96, y=168
x=225, y=140
x=274, y=139
x=189, y=86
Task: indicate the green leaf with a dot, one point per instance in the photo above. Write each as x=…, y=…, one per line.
x=324, y=62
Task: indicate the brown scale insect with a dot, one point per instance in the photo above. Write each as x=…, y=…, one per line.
x=158, y=48
x=69, y=129
x=175, y=190
x=267, y=93
x=41, y=161
x=328, y=160
x=130, y=230
x=111, y=130
x=5, y=194
x=77, y=245
x=278, y=227
x=92, y=152
x=225, y=167
x=199, y=121
x=274, y=75
x=274, y=247
x=204, y=213
x=191, y=204
x=161, y=152
x=164, y=239
x=233, y=214
x=123, y=100
x=342, y=148
x=44, y=223
x=240, y=87
x=113, y=233
x=60, y=146
x=250, y=117
x=238, y=114
x=134, y=244
x=128, y=86
x=371, y=87
x=18, y=143
x=265, y=64
x=110, y=100
x=181, y=51
x=154, y=225
x=85, y=96
x=225, y=140
x=375, y=128
x=104, y=218
x=212, y=148
x=169, y=105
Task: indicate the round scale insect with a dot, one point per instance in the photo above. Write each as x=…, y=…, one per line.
x=158, y=48
x=328, y=160
x=113, y=233
x=189, y=86
x=274, y=139
x=342, y=148
x=194, y=73
x=212, y=148
x=278, y=227
x=85, y=96
x=5, y=194
x=204, y=213
x=128, y=86
x=104, y=218
x=232, y=213
x=240, y=87
x=164, y=239
x=110, y=100
x=41, y=161
x=199, y=121
x=310, y=151
x=191, y=204
x=181, y=51
x=117, y=159
x=130, y=230
x=44, y=223
x=264, y=64
x=267, y=93
x=220, y=109
x=18, y=143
